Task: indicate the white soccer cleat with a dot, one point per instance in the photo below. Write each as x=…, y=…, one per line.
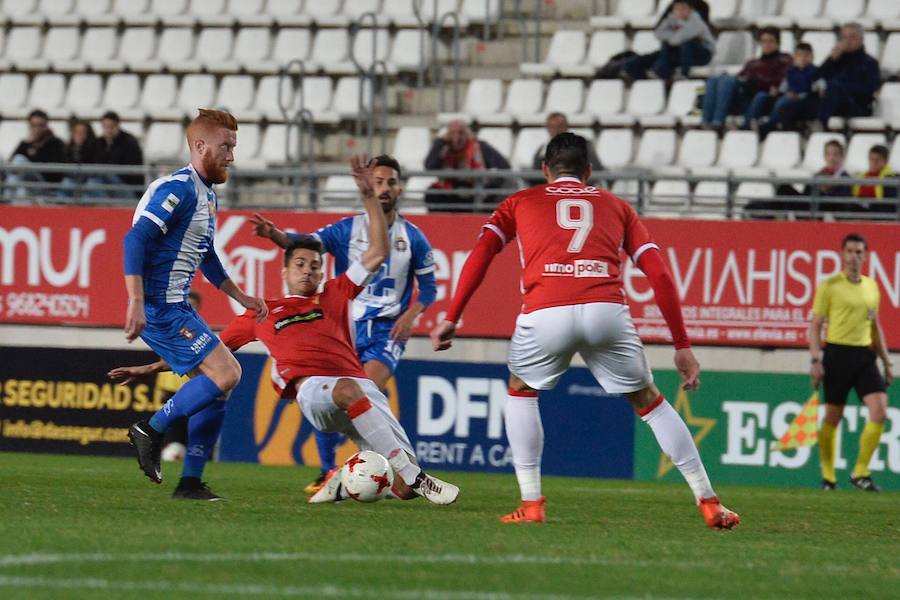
x=331, y=490
x=434, y=490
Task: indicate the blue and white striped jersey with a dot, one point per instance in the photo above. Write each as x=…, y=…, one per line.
x=390, y=290
x=184, y=207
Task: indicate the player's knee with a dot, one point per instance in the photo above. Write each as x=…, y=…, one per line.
x=345, y=393
x=230, y=375
x=642, y=399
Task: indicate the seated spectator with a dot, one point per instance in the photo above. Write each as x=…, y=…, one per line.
x=757, y=81
x=81, y=149
x=686, y=42
x=459, y=149
x=798, y=101
x=851, y=78
x=558, y=123
x=41, y=146
x=879, y=170
x=834, y=167
x=700, y=6
x=117, y=147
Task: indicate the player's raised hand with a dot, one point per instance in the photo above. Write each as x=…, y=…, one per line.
x=135, y=320
x=442, y=335
x=363, y=172
x=688, y=368
x=262, y=226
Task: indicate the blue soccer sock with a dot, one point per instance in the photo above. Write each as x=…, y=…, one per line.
x=203, y=431
x=327, y=444
x=194, y=396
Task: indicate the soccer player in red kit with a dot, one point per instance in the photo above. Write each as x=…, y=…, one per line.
x=570, y=236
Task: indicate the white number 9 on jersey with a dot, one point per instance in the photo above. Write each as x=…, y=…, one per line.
x=582, y=223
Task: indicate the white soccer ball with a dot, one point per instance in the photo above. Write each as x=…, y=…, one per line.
x=367, y=476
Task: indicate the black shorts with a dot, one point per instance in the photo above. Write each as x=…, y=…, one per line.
x=850, y=367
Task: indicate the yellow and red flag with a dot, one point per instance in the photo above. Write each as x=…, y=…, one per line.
x=804, y=431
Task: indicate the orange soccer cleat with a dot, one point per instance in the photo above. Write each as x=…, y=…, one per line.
x=716, y=515
x=530, y=511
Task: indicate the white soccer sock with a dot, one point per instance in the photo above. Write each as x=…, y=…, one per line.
x=526, y=439
x=376, y=431
x=675, y=440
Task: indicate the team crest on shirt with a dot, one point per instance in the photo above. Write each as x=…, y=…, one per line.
x=315, y=314
x=186, y=333
x=400, y=245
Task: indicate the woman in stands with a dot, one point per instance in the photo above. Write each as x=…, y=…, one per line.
x=81, y=149
x=729, y=94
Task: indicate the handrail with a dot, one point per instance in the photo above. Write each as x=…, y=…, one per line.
x=435, y=33
x=525, y=33
x=382, y=116
x=423, y=28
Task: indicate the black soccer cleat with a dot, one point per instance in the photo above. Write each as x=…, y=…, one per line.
x=865, y=484
x=191, y=488
x=148, y=443
x=829, y=486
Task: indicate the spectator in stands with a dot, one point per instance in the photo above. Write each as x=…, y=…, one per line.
x=459, y=149
x=758, y=81
x=41, y=146
x=880, y=170
x=851, y=78
x=81, y=149
x=117, y=147
x=798, y=100
x=557, y=123
x=686, y=42
x=701, y=7
x=834, y=167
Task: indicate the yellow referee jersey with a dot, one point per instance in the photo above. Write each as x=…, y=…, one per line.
x=850, y=309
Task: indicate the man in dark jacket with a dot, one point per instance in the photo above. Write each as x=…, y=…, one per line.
x=41, y=146
x=851, y=76
x=557, y=123
x=459, y=149
x=117, y=147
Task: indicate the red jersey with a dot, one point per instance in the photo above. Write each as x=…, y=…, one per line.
x=306, y=335
x=570, y=236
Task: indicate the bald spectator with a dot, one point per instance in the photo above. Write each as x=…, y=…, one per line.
x=460, y=150
x=851, y=78
x=557, y=123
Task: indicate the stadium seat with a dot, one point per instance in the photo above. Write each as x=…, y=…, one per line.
x=710, y=195
x=99, y=51
x=347, y=97
x=317, y=95
x=657, y=148
x=164, y=141
x=325, y=13
x=481, y=11
x=411, y=146
x=23, y=12
x=895, y=155
x=58, y=12
x=740, y=149
x=814, y=153
x=432, y=10
x=698, y=149
x=669, y=195
x=682, y=101
x=287, y=13
x=633, y=11
x=246, y=153
x=563, y=95
x=267, y=98
x=94, y=12
x=872, y=43
x=482, y=103
x=133, y=12
x=891, y=56
x=414, y=193
x=13, y=99
x=647, y=97
x=210, y=13
x=615, y=147
x=803, y=13
x=252, y=47
x=84, y=94
x=605, y=97
x=173, y=12
x=527, y=144
x=753, y=190
x=781, y=150
x=340, y=194
x=889, y=103
x=886, y=12
x=159, y=95
x=23, y=49
x=409, y=48
x=176, y=50
x=12, y=132
x=291, y=43
x=214, y=47
x=48, y=91
x=196, y=90
x=524, y=98
x=604, y=45
x=330, y=50
x=61, y=46
x=722, y=10
x=237, y=95
x=501, y=138
x=858, y=150
x=354, y=11
x=753, y=9
x=273, y=145
x=644, y=42
x=733, y=49
x=567, y=48
x=138, y=49
x=843, y=11
x=123, y=91
x=361, y=48
x=249, y=13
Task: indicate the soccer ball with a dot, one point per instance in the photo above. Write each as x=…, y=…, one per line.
x=367, y=476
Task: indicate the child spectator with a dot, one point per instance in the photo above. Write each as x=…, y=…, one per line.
x=798, y=98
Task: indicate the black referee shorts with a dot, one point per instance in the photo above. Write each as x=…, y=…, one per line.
x=850, y=367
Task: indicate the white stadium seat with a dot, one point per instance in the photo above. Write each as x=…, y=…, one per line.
x=682, y=101
x=801, y=12
x=408, y=50
x=889, y=103
x=858, y=151
x=48, y=92
x=317, y=95
x=159, y=95
x=361, y=48
x=710, y=194
x=647, y=97
x=843, y=11
x=605, y=97
x=670, y=195
x=12, y=132
x=196, y=91
x=23, y=49
x=567, y=48
x=213, y=52
x=644, y=42
x=484, y=98
x=752, y=190
x=58, y=12
x=23, y=12
x=164, y=141
x=340, y=194
x=722, y=10
x=123, y=91
x=895, y=155
x=237, y=94
x=480, y=11
x=565, y=96
x=94, y=12
x=740, y=149
x=273, y=145
x=657, y=148
x=176, y=49
x=13, y=99
x=287, y=12
x=251, y=47
x=524, y=97
x=821, y=41
x=84, y=94
x=100, y=50
x=249, y=12
x=615, y=147
x=355, y=9
x=883, y=10
x=891, y=57
x=781, y=150
x=411, y=146
x=528, y=142
x=501, y=138
x=211, y=12
x=291, y=43
x=62, y=45
x=347, y=97
x=139, y=48
x=133, y=12
x=751, y=9
x=698, y=149
x=625, y=12
x=330, y=49
x=246, y=153
x=604, y=45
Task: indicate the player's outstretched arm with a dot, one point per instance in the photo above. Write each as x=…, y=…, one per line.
x=125, y=375
x=265, y=228
x=363, y=172
x=258, y=305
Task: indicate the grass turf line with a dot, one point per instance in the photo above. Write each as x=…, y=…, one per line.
x=88, y=527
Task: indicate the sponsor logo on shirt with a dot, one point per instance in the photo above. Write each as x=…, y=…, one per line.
x=170, y=202
x=588, y=189
x=580, y=268
x=305, y=317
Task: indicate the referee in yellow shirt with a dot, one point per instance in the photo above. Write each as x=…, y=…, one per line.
x=848, y=301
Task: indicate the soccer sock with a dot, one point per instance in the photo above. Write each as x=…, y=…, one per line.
x=376, y=431
x=327, y=444
x=203, y=431
x=826, y=451
x=194, y=396
x=525, y=432
x=675, y=439
x=868, y=443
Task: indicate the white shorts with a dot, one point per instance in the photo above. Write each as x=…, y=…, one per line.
x=601, y=332
x=316, y=404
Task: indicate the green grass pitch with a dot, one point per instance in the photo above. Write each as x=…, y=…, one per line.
x=86, y=527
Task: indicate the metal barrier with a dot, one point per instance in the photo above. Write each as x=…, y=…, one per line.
x=299, y=187
x=523, y=26
x=377, y=77
x=290, y=92
x=455, y=51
